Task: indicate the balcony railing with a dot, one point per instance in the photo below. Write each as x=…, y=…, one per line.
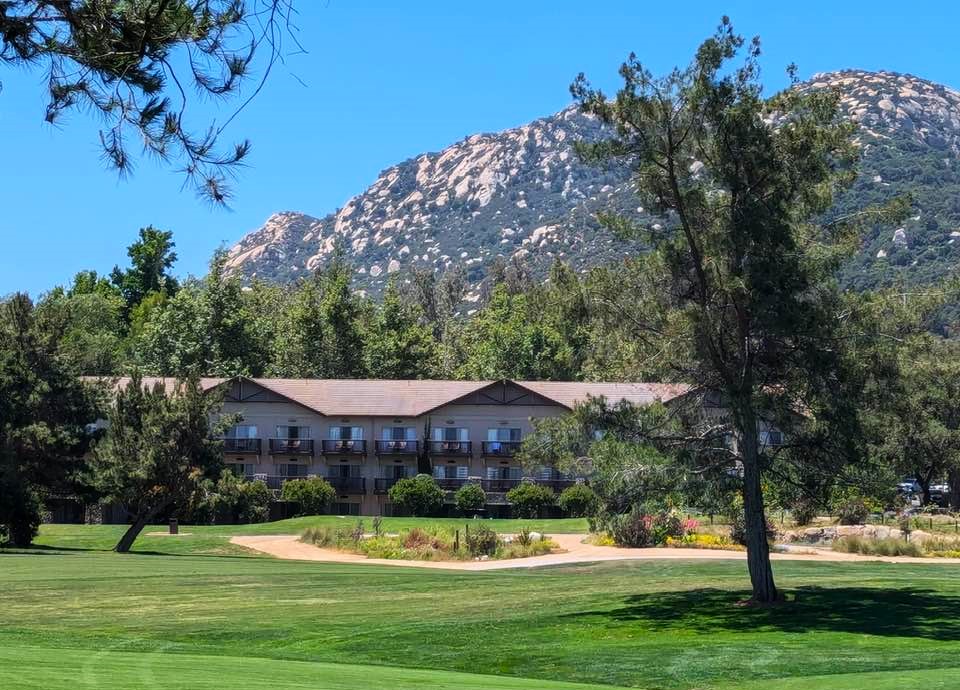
x=398, y=447
x=272, y=481
x=291, y=446
x=501, y=448
x=451, y=483
x=498, y=486
x=343, y=446
x=381, y=485
x=242, y=445
x=451, y=447
x=348, y=485
x=558, y=485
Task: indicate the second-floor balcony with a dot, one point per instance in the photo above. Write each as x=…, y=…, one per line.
x=499, y=486
x=381, y=485
x=501, y=448
x=343, y=446
x=291, y=446
x=397, y=447
x=451, y=448
x=348, y=485
x=242, y=446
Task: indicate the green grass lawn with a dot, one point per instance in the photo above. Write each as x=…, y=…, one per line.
x=77, y=618
x=215, y=540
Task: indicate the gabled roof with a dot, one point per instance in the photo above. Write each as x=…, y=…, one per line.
x=413, y=398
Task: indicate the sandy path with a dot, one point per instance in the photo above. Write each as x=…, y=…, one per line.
x=287, y=546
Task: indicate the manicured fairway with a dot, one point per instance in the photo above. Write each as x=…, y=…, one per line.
x=75, y=619
x=216, y=539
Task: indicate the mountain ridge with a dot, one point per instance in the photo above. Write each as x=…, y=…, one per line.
x=522, y=195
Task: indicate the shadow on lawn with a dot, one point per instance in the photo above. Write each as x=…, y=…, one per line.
x=896, y=612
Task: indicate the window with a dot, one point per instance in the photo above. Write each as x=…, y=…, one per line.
x=346, y=508
x=242, y=431
x=395, y=471
x=451, y=433
x=451, y=471
x=494, y=472
x=346, y=433
x=241, y=469
x=503, y=434
x=771, y=437
x=399, y=433
x=502, y=439
x=293, y=432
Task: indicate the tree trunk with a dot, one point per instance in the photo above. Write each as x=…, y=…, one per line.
x=142, y=520
x=755, y=521
x=953, y=479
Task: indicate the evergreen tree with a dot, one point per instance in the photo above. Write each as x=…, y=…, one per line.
x=158, y=450
x=205, y=329
x=741, y=300
x=44, y=411
x=398, y=345
x=133, y=63
x=321, y=330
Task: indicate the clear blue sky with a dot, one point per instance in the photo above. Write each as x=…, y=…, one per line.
x=384, y=81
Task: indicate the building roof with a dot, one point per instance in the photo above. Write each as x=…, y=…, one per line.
x=412, y=398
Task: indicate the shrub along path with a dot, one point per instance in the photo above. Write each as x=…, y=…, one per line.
x=574, y=551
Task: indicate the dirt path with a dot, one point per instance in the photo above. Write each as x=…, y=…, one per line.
x=575, y=551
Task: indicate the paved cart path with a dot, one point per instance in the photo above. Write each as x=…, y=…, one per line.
x=575, y=551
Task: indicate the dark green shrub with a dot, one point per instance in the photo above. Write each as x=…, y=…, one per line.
x=482, y=541
x=419, y=496
x=853, y=512
x=578, y=500
x=20, y=514
x=315, y=495
x=529, y=499
x=470, y=497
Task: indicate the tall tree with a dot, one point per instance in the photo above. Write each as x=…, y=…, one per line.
x=151, y=258
x=44, y=411
x=398, y=345
x=205, y=329
x=742, y=301
x=919, y=424
x=321, y=330
x=133, y=63
x=158, y=449
x=508, y=339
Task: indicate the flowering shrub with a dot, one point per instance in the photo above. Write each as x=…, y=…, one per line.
x=703, y=541
x=638, y=529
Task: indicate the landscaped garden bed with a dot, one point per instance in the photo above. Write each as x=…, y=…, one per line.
x=431, y=543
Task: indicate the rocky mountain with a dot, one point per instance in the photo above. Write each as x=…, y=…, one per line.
x=523, y=194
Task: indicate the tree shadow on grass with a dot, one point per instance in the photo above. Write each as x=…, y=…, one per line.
x=920, y=613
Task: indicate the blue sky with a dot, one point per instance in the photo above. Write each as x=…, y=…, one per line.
x=384, y=81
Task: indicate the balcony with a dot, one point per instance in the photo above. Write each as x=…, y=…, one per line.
x=348, y=485
x=498, y=486
x=397, y=447
x=344, y=446
x=557, y=485
x=452, y=448
x=451, y=483
x=502, y=449
x=291, y=446
x=381, y=485
x=273, y=482
x=241, y=446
